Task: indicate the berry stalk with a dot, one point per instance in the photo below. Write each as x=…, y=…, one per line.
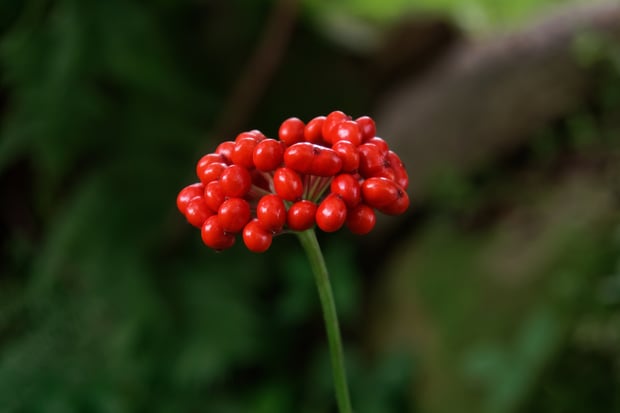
x=317, y=262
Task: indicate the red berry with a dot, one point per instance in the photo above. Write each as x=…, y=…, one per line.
x=379, y=143
x=361, y=219
x=399, y=206
x=207, y=159
x=235, y=181
x=187, y=194
x=210, y=172
x=326, y=163
x=331, y=213
x=331, y=121
x=400, y=173
x=287, y=184
x=268, y=155
x=214, y=195
x=226, y=149
x=300, y=156
x=348, y=154
x=367, y=127
x=214, y=236
x=258, y=135
x=379, y=192
x=247, y=135
x=301, y=215
x=234, y=213
x=243, y=153
x=291, y=131
x=255, y=237
x=371, y=160
x=271, y=213
x=345, y=131
x=348, y=188
x=313, y=132
x=197, y=211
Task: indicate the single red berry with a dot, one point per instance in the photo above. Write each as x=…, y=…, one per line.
x=331, y=213
x=371, y=160
x=291, y=131
x=301, y=215
x=379, y=192
x=234, y=213
x=345, y=131
x=226, y=149
x=214, y=236
x=187, y=194
x=197, y=211
x=386, y=172
x=257, y=134
x=288, y=184
x=271, y=213
x=379, y=143
x=255, y=237
x=243, y=153
x=347, y=152
x=326, y=163
x=331, y=121
x=361, y=219
x=399, y=206
x=214, y=195
x=247, y=135
x=313, y=132
x=367, y=127
x=268, y=155
x=400, y=173
x=235, y=181
x=300, y=156
x=348, y=188
x=211, y=172
x=208, y=159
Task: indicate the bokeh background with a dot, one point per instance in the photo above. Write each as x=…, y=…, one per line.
x=499, y=292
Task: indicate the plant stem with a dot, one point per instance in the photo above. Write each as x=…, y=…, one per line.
x=317, y=262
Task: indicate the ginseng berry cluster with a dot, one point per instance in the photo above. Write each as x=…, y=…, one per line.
x=330, y=172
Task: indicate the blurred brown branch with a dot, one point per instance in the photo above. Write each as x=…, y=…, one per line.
x=259, y=70
x=486, y=97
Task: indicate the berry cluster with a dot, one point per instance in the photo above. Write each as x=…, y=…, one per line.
x=332, y=171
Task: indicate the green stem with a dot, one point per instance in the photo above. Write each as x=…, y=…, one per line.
x=317, y=262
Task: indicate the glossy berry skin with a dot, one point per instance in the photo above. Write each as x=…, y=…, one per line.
x=243, y=153
x=234, y=213
x=214, y=195
x=287, y=184
x=214, y=236
x=308, y=158
x=197, y=212
x=331, y=213
x=291, y=131
x=400, y=173
x=361, y=219
x=208, y=159
x=399, y=206
x=367, y=127
x=301, y=215
x=271, y=213
x=346, y=131
x=348, y=154
x=380, y=144
x=210, y=172
x=256, y=238
x=268, y=155
x=331, y=121
x=348, y=188
x=226, y=149
x=235, y=181
x=379, y=192
x=313, y=132
x=371, y=160
x=187, y=194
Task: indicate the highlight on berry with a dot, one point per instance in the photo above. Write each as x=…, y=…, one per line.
x=330, y=172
